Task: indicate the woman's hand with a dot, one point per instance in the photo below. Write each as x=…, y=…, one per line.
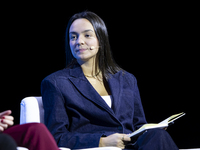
x=6, y=120
x=116, y=140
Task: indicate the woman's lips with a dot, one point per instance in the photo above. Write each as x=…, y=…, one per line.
x=81, y=50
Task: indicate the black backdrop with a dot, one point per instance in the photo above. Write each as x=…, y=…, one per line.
x=155, y=42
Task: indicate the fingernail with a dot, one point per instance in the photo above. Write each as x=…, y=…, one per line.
x=2, y=121
x=3, y=117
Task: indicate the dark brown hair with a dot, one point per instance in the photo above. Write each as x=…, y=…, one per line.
x=104, y=57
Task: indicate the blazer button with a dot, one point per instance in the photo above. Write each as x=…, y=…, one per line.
x=120, y=128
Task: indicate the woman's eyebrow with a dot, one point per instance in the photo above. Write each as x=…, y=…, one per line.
x=87, y=31
x=73, y=32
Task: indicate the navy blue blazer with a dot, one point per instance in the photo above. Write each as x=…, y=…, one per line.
x=78, y=117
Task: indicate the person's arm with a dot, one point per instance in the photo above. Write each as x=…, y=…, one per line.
x=6, y=120
x=139, y=115
x=58, y=122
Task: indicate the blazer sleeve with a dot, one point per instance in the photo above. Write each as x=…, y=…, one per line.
x=57, y=121
x=139, y=118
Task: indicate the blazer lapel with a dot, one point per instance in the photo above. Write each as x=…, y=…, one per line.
x=86, y=89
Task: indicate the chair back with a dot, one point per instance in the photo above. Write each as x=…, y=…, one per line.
x=31, y=110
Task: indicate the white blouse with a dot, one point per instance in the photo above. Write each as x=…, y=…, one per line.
x=107, y=99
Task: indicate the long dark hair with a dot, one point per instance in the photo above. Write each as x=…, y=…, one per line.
x=104, y=57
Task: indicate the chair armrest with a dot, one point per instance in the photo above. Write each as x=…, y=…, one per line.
x=29, y=110
x=21, y=148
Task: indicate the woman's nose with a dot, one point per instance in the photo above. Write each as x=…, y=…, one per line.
x=80, y=41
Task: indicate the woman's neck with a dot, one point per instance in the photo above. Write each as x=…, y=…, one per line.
x=89, y=68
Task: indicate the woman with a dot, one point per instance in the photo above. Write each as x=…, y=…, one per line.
x=33, y=136
x=93, y=102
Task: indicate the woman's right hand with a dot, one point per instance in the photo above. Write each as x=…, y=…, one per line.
x=116, y=140
x=6, y=120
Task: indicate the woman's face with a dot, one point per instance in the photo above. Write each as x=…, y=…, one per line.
x=83, y=42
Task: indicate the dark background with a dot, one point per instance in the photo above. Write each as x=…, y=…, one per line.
x=157, y=42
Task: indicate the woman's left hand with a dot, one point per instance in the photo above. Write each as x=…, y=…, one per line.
x=6, y=120
x=116, y=140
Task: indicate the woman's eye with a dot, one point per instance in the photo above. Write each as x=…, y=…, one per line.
x=87, y=35
x=73, y=37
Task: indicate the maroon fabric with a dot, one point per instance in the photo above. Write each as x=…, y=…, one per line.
x=34, y=136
